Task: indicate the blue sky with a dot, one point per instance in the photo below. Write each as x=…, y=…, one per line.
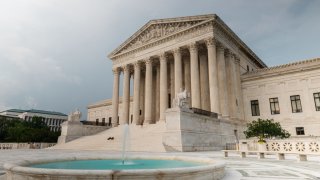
x=53, y=54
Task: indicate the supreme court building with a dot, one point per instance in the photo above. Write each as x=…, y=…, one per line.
x=222, y=75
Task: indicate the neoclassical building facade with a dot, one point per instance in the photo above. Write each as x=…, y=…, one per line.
x=199, y=54
x=222, y=75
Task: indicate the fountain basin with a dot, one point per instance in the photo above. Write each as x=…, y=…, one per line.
x=204, y=168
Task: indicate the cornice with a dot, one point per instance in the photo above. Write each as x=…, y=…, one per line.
x=294, y=67
x=106, y=102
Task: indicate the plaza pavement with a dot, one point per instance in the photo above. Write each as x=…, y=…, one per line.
x=249, y=168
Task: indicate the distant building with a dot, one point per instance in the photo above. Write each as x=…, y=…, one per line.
x=12, y=112
x=51, y=118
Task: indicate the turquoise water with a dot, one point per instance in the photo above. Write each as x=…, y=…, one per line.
x=116, y=164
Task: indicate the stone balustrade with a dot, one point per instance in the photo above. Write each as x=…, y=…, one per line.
x=303, y=145
x=6, y=146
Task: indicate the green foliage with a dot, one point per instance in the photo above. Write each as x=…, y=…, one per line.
x=27, y=131
x=265, y=129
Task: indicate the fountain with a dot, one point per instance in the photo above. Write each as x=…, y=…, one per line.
x=116, y=167
x=125, y=142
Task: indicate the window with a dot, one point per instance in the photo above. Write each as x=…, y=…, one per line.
x=109, y=124
x=274, y=106
x=255, y=108
x=300, y=130
x=317, y=100
x=296, y=104
x=103, y=121
x=248, y=69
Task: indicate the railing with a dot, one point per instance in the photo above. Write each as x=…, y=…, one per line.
x=306, y=145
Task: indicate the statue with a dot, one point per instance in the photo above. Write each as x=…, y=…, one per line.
x=74, y=116
x=181, y=100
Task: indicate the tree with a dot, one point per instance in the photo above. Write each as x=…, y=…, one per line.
x=29, y=131
x=265, y=129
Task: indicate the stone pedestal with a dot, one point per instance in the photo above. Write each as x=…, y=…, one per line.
x=188, y=131
x=70, y=130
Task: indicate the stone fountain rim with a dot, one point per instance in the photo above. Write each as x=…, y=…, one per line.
x=20, y=166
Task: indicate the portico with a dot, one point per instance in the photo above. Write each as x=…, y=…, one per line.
x=193, y=53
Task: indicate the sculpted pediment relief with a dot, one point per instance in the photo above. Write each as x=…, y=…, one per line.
x=158, y=29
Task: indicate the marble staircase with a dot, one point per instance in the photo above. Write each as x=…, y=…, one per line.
x=146, y=138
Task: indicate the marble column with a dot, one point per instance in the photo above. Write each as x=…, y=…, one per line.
x=126, y=95
x=213, y=76
x=148, y=93
x=204, y=79
x=223, y=93
x=195, y=84
x=230, y=71
x=187, y=77
x=115, y=97
x=142, y=96
x=172, y=85
x=177, y=71
x=239, y=98
x=154, y=93
x=157, y=89
x=136, y=94
x=163, y=87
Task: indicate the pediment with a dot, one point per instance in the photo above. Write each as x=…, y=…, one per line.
x=157, y=29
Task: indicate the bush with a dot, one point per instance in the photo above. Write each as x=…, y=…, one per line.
x=265, y=129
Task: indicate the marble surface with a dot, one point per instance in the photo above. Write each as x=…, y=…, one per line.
x=236, y=168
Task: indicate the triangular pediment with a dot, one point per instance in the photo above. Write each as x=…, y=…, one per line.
x=157, y=29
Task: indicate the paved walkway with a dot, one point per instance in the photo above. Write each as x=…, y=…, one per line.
x=249, y=168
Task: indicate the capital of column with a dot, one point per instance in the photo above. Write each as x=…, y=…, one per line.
x=227, y=53
x=220, y=48
x=177, y=51
x=137, y=64
x=210, y=41
x=193, y=47
x=116, y=70
x=163, y=57
x=236, y=59
x=126, y=68
x=149, y=61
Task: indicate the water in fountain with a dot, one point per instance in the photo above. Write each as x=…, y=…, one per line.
x=125, y=142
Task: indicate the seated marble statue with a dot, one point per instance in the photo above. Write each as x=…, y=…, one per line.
x=181, y=100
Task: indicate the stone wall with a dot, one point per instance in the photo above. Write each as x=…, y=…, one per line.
x=186, y=131
x=71, y=130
